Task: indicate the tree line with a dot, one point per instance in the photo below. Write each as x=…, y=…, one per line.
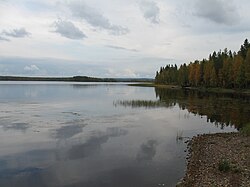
x=65, y=79
x=74, y=79
x=225, y=69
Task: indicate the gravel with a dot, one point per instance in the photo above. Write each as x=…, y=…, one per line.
x=210, y=154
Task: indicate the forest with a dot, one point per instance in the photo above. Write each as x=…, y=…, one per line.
x=223, y=69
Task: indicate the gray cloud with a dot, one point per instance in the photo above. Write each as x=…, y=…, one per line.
x=16, y=33
x=68, y=29
x=218, y=11
x=4, y=39
x=150, y=11
x=121, y=48
x=80, y=10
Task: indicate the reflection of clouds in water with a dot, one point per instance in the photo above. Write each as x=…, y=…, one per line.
x=23, y=177
x=44, y=157
x=72, y=113
x=15, y=126
x=68, y=131
x=93, y=145
x=31, y=93
x=25, y=164
x=147, y=151
x=121, y=91
x=25, y=171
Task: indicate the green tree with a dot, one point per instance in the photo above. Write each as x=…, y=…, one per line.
x=191, y=76
x=227, y=73
x=213, y=78
x=237, y=70
x=197, y=76
x=244, y=48
x=247, y=68
x=208, y=67
x=223, y=69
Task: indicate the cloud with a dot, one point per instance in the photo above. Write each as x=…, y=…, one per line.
x=150, y=11
x=31, y=68
x=4, y=39
x=121, y=48
x=80, y=10
x=69, y=30
x=125, y=67
x=218, y=11
x=126, y=72
x=16, y=33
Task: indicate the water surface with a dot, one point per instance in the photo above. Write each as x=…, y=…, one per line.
x=109, y=135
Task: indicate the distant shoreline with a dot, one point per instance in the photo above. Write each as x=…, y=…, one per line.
x=244, y=92
x=75, y=79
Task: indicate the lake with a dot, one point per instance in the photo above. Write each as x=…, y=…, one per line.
x=105, y=135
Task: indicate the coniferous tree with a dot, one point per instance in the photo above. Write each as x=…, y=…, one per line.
x=225, y=69
x=247, y=68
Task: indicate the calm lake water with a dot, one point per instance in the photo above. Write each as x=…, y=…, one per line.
x=104, y=135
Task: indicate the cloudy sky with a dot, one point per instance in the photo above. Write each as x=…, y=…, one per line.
x=115, y=38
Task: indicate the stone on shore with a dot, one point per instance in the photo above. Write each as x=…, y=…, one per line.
x=221, y=159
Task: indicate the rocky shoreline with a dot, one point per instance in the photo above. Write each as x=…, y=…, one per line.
x=221, y=159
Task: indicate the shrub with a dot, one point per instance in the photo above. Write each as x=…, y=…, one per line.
x=224, y=165
x=246, y=129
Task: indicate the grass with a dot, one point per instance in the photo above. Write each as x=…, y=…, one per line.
x=179, y=135
x=224, y=166
x=246, y=129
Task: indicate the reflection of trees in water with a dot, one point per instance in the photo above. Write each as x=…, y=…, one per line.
x=221, y=109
